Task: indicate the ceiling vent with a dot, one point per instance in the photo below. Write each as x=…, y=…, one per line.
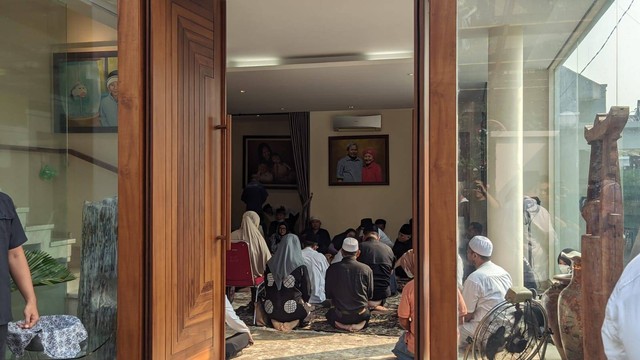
x=357, y=123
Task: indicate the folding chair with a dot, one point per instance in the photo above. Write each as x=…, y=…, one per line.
x=239, y=271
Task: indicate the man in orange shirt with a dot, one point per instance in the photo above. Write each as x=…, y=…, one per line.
x=405, y=347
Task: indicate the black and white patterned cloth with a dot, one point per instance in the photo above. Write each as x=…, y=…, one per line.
x=60, y=335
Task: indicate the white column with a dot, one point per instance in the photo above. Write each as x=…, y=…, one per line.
x=505, y=148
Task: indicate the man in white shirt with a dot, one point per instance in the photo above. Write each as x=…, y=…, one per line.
x=484, y=288
x=621, y=327
x=235, y=343
x=317, y=265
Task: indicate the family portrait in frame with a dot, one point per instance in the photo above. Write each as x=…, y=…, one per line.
x=85, y=88
x=359, y=160
x=270, y=160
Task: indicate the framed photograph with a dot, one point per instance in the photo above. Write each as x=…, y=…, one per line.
x=359, y=160
x=85, y=88
x=269, y=159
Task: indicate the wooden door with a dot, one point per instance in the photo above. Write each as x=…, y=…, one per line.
x=187, y=221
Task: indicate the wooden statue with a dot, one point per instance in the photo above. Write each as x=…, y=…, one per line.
x=603, y=244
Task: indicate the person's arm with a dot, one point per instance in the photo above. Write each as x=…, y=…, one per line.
x=370, y=285
x=233, y=321
x=470, y=294
x=21, y=275
x=613, y=347
x=340, y=171
x=404, y=309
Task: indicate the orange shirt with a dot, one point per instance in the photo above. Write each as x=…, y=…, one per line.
x=407, y=310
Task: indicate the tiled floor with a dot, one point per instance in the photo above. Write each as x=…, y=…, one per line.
x=314, y=345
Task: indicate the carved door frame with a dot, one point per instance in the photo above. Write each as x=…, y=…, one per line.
x=434, y=152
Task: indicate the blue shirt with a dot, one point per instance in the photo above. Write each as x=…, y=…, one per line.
x=349, y=170
x=108, y=111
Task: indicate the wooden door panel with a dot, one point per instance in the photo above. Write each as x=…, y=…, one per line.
x=187, y=288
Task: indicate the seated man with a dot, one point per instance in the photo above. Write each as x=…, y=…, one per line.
x=321, y=235
x=234, y=344
x=349, y=285
x=405, y=347
x=379, y=257
x=317, y=266
x=484, y=288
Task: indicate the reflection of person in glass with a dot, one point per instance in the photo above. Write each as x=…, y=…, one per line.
x=371, y=171
x=79, y=102
x=350, y=167
x=109, y=103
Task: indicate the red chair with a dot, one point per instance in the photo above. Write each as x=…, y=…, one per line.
x=239, y=271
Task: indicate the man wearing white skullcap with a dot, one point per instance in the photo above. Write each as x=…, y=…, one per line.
x=484, y=288
x=349, y=285
x=109, y=103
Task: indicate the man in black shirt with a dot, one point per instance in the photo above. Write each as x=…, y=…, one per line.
x=349, y=285
x=13, y=261
x=319, y=235
x=379, y=257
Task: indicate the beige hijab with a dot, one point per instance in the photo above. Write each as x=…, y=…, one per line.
x=249, y=232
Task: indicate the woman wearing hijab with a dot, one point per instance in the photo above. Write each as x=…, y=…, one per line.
x=288, y=287
x=276, y=238
x=371, y=171
x=249, y=232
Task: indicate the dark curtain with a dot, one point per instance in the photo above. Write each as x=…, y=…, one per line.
x=299, y=129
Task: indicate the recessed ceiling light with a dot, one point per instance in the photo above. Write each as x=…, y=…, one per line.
x=281, y=108
x=254, y=62
x=242, y=91
x=350, y=106
x=389, y=55
x=410, y=74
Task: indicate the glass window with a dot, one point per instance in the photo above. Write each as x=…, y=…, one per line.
x=58, y=153
x=531, y=77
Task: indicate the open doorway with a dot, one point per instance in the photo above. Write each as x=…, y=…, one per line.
x=330, y=60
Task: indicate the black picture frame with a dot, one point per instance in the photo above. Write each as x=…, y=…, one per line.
x=278, y=174
x=374, y=173
x=79, y=87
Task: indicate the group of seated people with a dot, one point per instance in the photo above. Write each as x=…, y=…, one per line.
x=354, y=273
x=303, y=272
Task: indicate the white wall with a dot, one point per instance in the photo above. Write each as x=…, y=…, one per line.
x=342, y=207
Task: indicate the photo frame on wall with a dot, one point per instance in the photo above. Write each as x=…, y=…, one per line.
x=270, y=160
x=85, y=88
x=359, y=160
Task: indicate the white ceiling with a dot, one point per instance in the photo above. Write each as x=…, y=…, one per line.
x=323, y=49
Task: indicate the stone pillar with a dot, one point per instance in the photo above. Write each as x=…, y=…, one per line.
x=505, y=148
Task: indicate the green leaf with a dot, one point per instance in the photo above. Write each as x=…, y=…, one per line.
x=45, y=270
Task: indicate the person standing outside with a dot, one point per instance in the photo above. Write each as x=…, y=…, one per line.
x=620, y=330
x=109, y=104
x=13, y=262
x=350, y=167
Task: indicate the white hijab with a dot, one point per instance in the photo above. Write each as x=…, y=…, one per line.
x=249, y=232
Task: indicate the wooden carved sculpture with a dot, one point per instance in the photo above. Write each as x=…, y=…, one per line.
x=603, y=243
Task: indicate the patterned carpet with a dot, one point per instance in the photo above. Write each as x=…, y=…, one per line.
x=385, y=324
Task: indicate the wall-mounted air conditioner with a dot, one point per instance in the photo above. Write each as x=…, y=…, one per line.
x=357, y=123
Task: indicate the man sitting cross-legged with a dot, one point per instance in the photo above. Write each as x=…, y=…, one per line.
x=349, y=285
x=317, y=266
x=484, y=288
x=378, y=257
